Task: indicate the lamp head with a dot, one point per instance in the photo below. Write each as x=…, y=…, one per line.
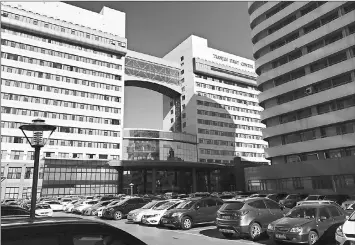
x=38, y=132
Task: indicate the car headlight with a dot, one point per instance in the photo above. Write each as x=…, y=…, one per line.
x=270, y=227
x=296, y=230
x=176, y=215
x=339, y=231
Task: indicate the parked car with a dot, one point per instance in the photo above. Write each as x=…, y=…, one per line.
x=92, y=210
x=62, y=230
x=248, y=217
x=201, y=194
x=112, y=203
x=43, y=210
x=350, y=209
x=311, y=198
x=121, y=209
x=317, y=202
x=258, y=195
x=65, y=201
x=346, y=203
x=192, y=212
x=307, y=224
x=345, y=234
x=55, y=205
x=337, y=198
x=291, y=200
x=69, y=207
x=86, y=204
x=277, y=196
x=111, y=197
x=9, y=210
x=154, y=215
x=225, y=197
x=136, y=215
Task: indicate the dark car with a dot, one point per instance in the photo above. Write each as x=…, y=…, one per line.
x=191, y=212
x=121, y=209
x=277, y=196
x=201, y=194
x=291, y=200
x=9, y=210
x=339, y=199
x=249, y=217
x=226, y=196
x=62, y=231
x=110, y=197
x=307, y=224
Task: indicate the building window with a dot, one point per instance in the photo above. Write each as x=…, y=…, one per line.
x=322, y=182
x=297, y=183
x=11, y=192
x=3, y=154
x=184, y=125
x=101, y=156
x=29, y=173
x=172, y=120
x=181, y=58
x=14, y=173
x=16, y=155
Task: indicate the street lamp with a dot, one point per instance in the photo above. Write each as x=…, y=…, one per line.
x=34, y=133
x=131, y=185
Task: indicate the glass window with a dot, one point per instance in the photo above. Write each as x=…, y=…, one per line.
x=271, y=205
x=259, y=204
x=323, y=212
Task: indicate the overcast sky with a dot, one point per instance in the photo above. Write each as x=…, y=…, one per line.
x=155, y=28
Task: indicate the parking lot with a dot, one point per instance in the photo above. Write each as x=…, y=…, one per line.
x=206, y=235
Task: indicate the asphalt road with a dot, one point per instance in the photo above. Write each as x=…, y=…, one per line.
x=202, y=235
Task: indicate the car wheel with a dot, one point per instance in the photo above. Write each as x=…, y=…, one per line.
x=227, y=235
x=312, y=237
x=118, y=215
x=255, y=231
x=186, y=223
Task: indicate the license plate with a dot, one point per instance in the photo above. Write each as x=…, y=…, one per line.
x=164, y=221
x=227, y=231
x=280, y=236
x=99, y=214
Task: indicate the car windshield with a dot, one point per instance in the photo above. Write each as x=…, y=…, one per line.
x=303, y=212
x=185, y=205
x=43, y=206
x=262, y=195
x=232, y=206
x=311, y=198
x=350, y=207
x=164, y=206
x=330, y=197
x=66, y=200
x=352, y=217
x=291, y=197
x=153, y=204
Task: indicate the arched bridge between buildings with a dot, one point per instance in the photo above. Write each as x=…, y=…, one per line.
x=153, y=76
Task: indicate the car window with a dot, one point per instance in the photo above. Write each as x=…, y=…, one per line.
x=257, y=204
x=271, y=205
x=323, y=212
x=210, y=203
x=334, y=211
x=219, y=202
x=201, y=204
x=6, y=211
x=131, y=201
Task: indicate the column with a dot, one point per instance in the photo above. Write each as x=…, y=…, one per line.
x=154, y=175
x=144, y=172
x=120, y=180
x=208, y=173
x=194, y=181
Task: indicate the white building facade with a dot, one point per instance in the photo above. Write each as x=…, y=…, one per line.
x=219, y=103
x=65, y=65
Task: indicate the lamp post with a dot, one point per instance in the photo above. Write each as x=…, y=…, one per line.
x=37, y=140
x=131, y=185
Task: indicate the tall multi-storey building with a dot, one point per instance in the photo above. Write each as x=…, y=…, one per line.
x=219, y=102
x=304, y=55
x=65, y=65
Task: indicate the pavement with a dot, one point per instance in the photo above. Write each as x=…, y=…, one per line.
x=201, y=235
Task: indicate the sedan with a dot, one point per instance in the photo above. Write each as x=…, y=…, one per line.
x=43, y=210
x=154, y=215
x=55, y=205
x=307, y=224
x=136, y=215
x=345, y=234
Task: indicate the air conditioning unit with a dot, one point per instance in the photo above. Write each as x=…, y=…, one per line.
x=309, y=90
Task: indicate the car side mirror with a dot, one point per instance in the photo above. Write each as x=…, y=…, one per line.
x=322, y=218
x=282, y=207
x=197, y=207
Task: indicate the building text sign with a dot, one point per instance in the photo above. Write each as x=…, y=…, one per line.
x=236, y=62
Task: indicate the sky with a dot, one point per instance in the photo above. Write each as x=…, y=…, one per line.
x=155, y=28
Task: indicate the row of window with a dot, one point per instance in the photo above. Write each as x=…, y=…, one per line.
x=58, y=78
x=58, y=42
x=85, y=191
x=226, y=125
x=226, y=98
x=227, y=115
x=16, y=172
x=303, y=183
x=70, y=130
x=225, y=90
x=327, y=84
x=63, y=116
x=327, y=107
x=215, y=161
x=57, y=90
x=326, y=131
x=71, y=143
x=227, y=82
x=60, y=66
x=309, y=27
x=230, y=153
x=60, y=54
x=327, y=154
x=61, y=103
x=228, y=134
x=319, y=43
x=227, y=107
x=230, y=143
x=62, y=29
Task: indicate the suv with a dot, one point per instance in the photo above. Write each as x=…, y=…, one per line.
x=121, y=209
x=291, y=200
x=248, y=217
x=277, y=197
x=193, y=211
x=62, y=231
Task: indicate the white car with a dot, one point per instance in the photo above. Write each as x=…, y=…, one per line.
x=100, y=210
x=153, y=216
x=44, y=210
x=69, y=207
x=136, y=215
x=345, y=234
x=55, y=205
x=65, y=201
x=79, y=209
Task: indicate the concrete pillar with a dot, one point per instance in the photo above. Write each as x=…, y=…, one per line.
x=154, y=176
x=120, y=180
x=194, y=181
x=144, y=172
